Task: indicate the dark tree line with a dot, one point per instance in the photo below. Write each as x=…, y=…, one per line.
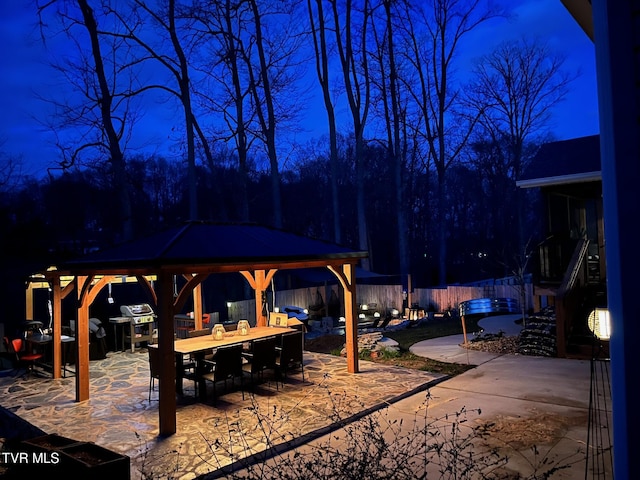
x=71, y=214
x=420, y=171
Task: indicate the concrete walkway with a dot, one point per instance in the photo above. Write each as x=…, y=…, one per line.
x=561, y=406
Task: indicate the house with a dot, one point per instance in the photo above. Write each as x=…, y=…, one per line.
x=613, y=28
x=571, y=270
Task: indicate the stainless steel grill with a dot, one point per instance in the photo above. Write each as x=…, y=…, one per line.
x=136, y=324
x=139, y=313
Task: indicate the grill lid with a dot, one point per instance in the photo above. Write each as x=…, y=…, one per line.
x=136, y=310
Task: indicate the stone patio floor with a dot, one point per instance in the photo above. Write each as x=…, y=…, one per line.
x=120, y=417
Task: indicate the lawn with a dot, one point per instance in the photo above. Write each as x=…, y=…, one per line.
x=405, y=338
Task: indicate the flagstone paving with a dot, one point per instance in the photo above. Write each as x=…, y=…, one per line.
x=120, y=417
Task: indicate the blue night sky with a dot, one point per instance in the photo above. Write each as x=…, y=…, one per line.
x=24, y=66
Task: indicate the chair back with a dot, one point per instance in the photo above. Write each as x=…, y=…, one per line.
x=291, y=345
x=154, y=362
x=263, y=353
x=199, y=333
x=228, y=362
x=17, y=345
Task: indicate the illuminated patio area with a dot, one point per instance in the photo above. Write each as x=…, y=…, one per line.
x=272, y=417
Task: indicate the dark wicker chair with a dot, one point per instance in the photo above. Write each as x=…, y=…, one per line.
x=262, y=357
x=290, y=354
x=226, y=364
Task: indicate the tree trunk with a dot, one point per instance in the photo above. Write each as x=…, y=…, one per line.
x=120, y=180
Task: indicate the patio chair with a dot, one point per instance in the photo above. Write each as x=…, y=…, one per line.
x=24, y=358
x=226, y=364
x=262, y=357
x=289, y=354
x=154, y=368
x=188, y=370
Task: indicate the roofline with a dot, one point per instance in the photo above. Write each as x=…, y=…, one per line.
x=561, y=180
x=146, y=267
x=582, y=12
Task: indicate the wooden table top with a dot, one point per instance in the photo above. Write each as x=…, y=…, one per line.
x=206, y=342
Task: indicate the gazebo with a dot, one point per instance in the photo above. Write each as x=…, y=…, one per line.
x=194, y=250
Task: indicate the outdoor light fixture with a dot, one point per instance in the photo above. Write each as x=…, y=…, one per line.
x=218, y=331
x=110, y=297
x=600, y=323
x=243, y=327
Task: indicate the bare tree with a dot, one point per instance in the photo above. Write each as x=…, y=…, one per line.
x=394, y=112
x=351, y=35
x=10, y=170
x=166, y=18
x=436, y=29
x=104, y=115
x=319, y=30
x=515, y=88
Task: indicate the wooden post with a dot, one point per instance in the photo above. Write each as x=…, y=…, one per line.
x=82, y=340
x=56, y=312
x=197, y=306
x=346, y=276
x=464, y=328
x=259, y=281
x=167, y=382
x=28, y=310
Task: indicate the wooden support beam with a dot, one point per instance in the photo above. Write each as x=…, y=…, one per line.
x=29, y=302
x=167, y=381
x=197, y=306
x=82, y=341
x=56, y=313
x=346, y=277
x=259, y=281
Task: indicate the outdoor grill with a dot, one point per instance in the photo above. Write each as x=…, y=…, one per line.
x=138, y=320
x=140, y=313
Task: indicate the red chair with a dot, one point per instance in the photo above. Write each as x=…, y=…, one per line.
x=24, y=358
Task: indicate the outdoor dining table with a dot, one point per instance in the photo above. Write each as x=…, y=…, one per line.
x=198, y=347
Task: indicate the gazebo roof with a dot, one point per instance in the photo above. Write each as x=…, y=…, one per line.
x=208, y=246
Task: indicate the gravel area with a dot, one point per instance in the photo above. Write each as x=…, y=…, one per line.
x=502, y=344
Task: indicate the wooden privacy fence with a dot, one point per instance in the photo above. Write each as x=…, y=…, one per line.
x=385, y=297
x=443, y=299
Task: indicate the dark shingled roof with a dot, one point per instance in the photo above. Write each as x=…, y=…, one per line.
x=203, y=243
x=564, y=161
